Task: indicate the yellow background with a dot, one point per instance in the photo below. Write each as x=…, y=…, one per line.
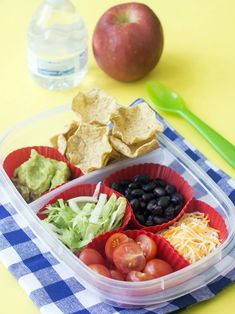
x=198, y=61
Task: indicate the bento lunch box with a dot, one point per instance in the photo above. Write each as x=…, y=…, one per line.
x=34, y=132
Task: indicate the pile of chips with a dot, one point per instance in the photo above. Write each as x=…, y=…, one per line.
x=106, y=132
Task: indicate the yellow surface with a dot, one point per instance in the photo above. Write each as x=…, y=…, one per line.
x=198, y=62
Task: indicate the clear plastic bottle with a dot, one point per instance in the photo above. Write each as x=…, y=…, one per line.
x=57, y=45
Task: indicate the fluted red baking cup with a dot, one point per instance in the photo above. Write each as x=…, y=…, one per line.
x=165, y=250
x=88, y=190
x=216, y=221
x=154, y=171
x=19, y=156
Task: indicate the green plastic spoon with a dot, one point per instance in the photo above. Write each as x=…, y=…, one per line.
x=167, y=100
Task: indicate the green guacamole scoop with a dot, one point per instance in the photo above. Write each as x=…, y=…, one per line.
x=167, y=100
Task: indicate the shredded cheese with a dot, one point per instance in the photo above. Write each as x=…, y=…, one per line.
x=192, y=236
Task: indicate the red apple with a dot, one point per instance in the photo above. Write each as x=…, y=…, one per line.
x=128, y=41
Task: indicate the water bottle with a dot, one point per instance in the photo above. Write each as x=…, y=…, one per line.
x=57, y=45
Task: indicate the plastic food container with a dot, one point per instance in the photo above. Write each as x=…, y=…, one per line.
x=126, y=294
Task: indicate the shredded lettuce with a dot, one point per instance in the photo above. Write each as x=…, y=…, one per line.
x=78, y=225
x=118, y=214
x=97, y=189
x=96, y=213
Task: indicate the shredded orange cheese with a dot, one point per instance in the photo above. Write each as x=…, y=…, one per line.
x=192, y=236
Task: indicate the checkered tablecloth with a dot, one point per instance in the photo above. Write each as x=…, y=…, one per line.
x=50, y=283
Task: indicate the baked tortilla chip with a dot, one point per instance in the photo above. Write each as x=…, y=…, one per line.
x=62, y=143
x=134, y=150
x=59, y=141
x=135, y=124
x=54, y=141
x=94, y=106
x=70, y=129
x=115, y=156
x=89, y=147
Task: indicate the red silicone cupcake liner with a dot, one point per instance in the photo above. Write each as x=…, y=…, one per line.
x=165, y=250
x=215, y=219
x=88, y=190
x=154, y=171
x=19, y=156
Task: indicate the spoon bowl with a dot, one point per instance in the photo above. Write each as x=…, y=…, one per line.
x=165, y=99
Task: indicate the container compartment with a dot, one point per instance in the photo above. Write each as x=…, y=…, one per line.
x=165, y=250
x=216, y=221
x=35, y=132
x=88, y=190
x=155, y=171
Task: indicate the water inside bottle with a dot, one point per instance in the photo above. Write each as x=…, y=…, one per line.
x=57, y=54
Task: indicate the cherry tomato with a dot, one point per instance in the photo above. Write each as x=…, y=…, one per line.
x=129, y=256
x=158, y=268
x=115, y=274
x=91, y=256
x=148, y=246
x=113, y=242
x=100, y=269
x=138, y=276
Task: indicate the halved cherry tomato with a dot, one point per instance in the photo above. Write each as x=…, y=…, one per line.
x=115, y=274
x=138, y=276
x=129, y=256
x=91, y=256
x=148, y=246
x=100, y=269
x=158, y=268
x=113, y=242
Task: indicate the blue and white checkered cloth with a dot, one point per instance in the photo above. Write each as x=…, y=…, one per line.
x=51, y=285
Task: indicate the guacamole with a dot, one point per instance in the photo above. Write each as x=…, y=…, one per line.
x=39, y=175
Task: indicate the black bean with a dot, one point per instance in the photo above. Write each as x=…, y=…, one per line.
x=158, y=220
x=149, y=221
x=133, y=185
x=125, y=183
x=151, y=205
x=177, y=198
x=169, y=212
x=149, y=187
x=128, y=191
x=146, y=214
x=170, y=189
x=142, y=178
x=137, y=192
x=177, y=209
x=135, y=204
x=147, y=196
x=140, y=219
x=129, y=197
x=157, y=211
x=164, y=201
x=116, y=186
x=121, y=191
x=158, y=191
x=160, y=182
x=142, y=204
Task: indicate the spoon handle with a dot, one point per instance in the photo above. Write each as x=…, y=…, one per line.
x=222, y=146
